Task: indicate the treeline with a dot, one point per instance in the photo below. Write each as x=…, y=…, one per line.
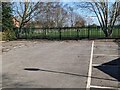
x=47, y=14
x=41, y=14
x=56, y=14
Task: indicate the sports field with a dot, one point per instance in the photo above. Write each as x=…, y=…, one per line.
x=61, y=64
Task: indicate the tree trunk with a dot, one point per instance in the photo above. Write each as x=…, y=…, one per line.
x=110, y=31
x=105, y=32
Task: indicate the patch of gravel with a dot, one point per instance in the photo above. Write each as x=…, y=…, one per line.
x=9, y=45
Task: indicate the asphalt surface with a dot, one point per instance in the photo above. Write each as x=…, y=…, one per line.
x=62, y=64
x=106, y=65
x=59, y=64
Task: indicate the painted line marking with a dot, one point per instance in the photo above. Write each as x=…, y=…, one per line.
x=105, y=65
x=106, y=45
x=96, y=64
x=105, y=55
x=90, y=68
x=106, y=49
x=102, y=87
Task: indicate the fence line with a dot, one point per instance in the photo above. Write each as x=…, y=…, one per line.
x=65, y=33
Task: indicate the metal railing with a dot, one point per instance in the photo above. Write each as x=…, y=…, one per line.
x=66, y=33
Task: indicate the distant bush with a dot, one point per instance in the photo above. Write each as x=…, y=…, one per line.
x=8, y=35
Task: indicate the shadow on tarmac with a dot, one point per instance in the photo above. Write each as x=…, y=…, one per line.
x=61, y=72
x=111, y=68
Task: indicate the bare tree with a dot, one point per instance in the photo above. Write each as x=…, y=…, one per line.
x=106, y=15
x=118, y=20
x=52, y=14
x=71, y=13
x=45, y=15
x=79, y=21
x=25, y=11
x=105, y=11
x=74, y=17
x=60, y=15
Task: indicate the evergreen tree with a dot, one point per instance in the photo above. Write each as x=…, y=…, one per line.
x=0, y=20
x=7, y=23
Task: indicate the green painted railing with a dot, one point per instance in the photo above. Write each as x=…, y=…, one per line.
x=66, y=33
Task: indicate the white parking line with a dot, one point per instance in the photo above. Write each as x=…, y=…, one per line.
x=106, y=55
x=106, y=45
x=104, y=65
x=102, y=87
x=96, y=65
x=90, y=68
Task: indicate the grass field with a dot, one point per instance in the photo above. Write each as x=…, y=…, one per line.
x=68, y=33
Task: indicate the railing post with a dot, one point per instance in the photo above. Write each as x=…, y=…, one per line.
x=60, y=33
x=88, y=32
x=77, y=34
x=44, y=33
